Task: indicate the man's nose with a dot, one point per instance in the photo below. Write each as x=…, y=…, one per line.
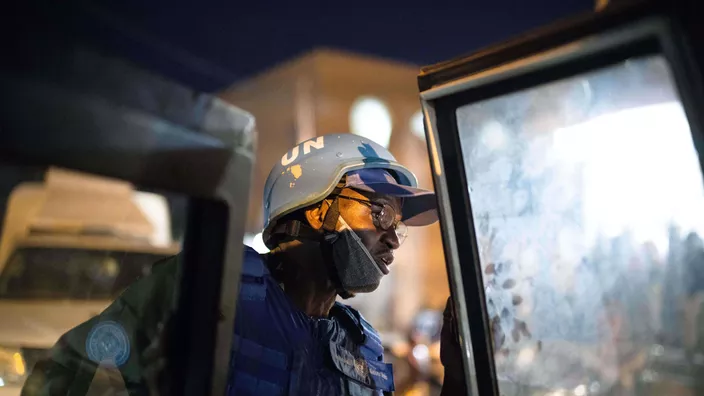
x=391, y=238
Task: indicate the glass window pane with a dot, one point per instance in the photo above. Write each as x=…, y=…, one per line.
x=587, y=197
x=87, y=273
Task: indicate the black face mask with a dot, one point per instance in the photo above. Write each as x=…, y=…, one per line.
x=357, y=271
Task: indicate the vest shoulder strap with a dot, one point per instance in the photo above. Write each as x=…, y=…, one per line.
x=254, y=274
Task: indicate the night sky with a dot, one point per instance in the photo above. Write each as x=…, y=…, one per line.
x=212, y=44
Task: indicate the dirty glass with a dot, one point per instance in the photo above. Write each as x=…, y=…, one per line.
x=86, y=279
x=588, y=202
x=69, y=273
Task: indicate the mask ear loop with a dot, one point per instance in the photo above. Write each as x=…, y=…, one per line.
x=344, y=223
x=330, y=236
x=332, y=215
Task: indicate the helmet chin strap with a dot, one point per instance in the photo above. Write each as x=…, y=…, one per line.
x=296, y=229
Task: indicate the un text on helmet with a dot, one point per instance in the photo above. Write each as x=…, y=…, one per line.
x=317, y=143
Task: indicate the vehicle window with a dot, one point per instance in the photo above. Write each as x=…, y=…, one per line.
x=87, y=274
x=74, y=274
x=588, y=202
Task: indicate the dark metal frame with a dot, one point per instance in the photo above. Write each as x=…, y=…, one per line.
x=565, y=49
x=64, y=104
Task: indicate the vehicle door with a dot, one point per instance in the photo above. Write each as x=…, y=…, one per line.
x=567, y=164
x=149, y=213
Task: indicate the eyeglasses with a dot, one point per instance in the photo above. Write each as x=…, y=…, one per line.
x=383, y=217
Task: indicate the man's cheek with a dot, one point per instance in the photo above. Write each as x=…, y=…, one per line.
x=371, y=243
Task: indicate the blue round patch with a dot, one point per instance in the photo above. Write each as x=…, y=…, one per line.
x=108, y=341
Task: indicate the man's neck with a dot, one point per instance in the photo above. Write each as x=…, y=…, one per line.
x=305, y=279
x=316, y=302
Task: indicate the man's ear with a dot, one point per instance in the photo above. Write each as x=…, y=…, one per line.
x=315, y=215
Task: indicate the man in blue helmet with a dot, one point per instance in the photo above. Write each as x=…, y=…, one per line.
x=336, y=207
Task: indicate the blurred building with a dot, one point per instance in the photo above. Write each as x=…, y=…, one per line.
x=330, y=91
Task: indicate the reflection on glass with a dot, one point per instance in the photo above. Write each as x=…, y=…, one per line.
x=72, y=274
x=588, y=201
x=71, y=243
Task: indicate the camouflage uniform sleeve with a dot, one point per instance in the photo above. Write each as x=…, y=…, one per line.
x=134, y=318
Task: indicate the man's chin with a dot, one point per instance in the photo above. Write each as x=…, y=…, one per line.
x=353, y=291
x=349, y=295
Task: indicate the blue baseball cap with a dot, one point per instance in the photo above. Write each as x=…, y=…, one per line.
x=419, y=205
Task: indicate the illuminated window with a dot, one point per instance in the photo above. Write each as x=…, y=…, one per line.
x=417, y=126
x=370, y=118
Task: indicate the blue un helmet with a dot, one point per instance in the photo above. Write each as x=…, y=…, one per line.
x=311, y=171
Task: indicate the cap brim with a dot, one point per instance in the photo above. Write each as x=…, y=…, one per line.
x=419, y=205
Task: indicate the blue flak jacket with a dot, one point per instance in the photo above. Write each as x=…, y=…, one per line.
x=279, y=350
